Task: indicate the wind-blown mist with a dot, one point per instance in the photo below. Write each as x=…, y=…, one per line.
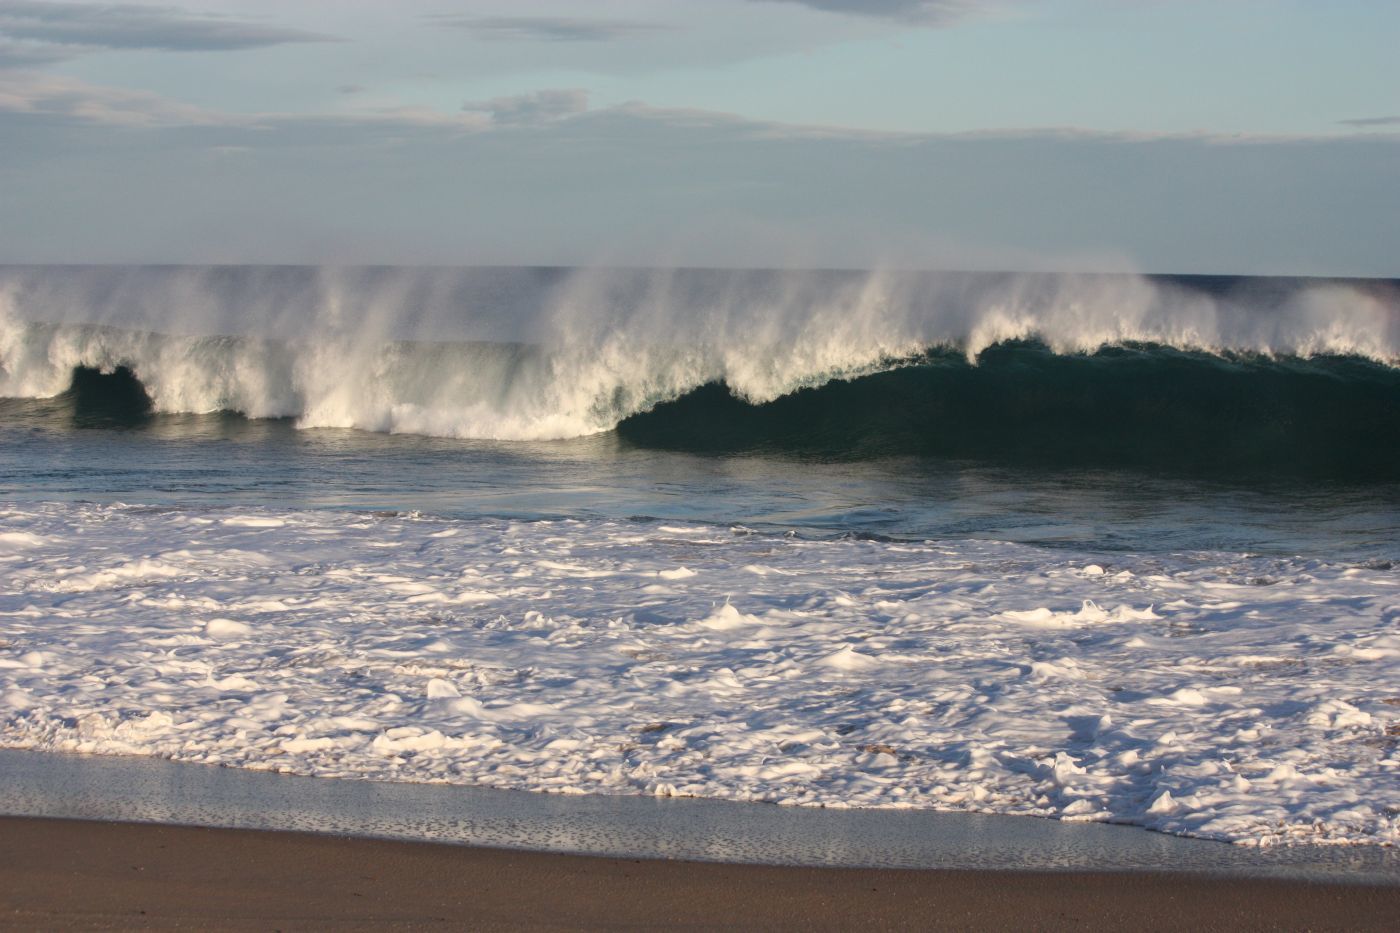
x=517, y=354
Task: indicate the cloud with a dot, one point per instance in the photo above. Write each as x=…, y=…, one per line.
x=129, y=26
x=924, y=12
x=34, y=95
x=1364, y=122
x=49, y=98
x=31, y=54
x=609, y=183
x=72, y=100
x=532, y=109
x=549, y=28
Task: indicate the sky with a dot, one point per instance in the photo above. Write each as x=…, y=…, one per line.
x=1228, y=136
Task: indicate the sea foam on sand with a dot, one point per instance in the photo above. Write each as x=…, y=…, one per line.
x=1249, y=699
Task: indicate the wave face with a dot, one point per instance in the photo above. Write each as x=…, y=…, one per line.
x=1068, y=367
x=1023, y=404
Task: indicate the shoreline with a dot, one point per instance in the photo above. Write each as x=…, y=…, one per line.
x=157, y=791
x=69, y=874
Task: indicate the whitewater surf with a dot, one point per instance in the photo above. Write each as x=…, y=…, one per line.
x=1090, y=547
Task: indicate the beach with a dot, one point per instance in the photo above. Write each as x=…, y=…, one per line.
x=105, y=841
x=667, y=597
x=759, y=464
x=72, y=874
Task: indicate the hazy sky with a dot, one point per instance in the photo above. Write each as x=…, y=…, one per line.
x=1164, y=135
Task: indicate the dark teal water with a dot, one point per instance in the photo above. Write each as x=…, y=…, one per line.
x=56, y=450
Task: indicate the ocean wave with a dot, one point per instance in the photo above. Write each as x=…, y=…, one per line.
x=854, y=362
x=1136, y=406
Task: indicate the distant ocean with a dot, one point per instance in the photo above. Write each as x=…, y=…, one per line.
x=1093, y=547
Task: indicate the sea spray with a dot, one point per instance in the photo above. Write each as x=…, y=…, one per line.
x=530, y=354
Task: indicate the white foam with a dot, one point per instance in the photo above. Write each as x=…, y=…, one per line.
x=17, y=540
x=965, y=675
x=848, y=659
x=227, y=628
x=253, y=521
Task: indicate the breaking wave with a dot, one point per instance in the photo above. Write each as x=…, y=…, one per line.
x=1221, y=371
x=1137, y=406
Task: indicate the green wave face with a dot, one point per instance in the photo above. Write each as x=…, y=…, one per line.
x=1023, y=405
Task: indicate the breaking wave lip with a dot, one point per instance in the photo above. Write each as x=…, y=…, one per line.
x=1021, y=404
x=954, y=365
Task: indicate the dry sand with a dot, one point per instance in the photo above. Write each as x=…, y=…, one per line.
x=71, y=874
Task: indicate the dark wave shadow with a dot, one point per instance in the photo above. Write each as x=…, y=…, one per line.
x=1020, y=405
x=115, y=399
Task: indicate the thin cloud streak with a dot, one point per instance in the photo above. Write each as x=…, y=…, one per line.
x=921, y=12
x=33, y=54
x=70, y=99
x=45, y=96
x=1364, y=122
x=532, y=109
x=549, y=28
x=129, y=26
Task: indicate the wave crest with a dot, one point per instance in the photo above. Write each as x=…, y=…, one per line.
x=541, y=354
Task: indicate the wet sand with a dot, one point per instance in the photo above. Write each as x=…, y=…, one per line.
x=74, y=874
x=138, y=789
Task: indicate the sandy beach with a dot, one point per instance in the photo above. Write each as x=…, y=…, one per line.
x=72, y=874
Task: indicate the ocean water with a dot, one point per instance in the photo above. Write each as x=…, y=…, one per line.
x=1111, y=548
